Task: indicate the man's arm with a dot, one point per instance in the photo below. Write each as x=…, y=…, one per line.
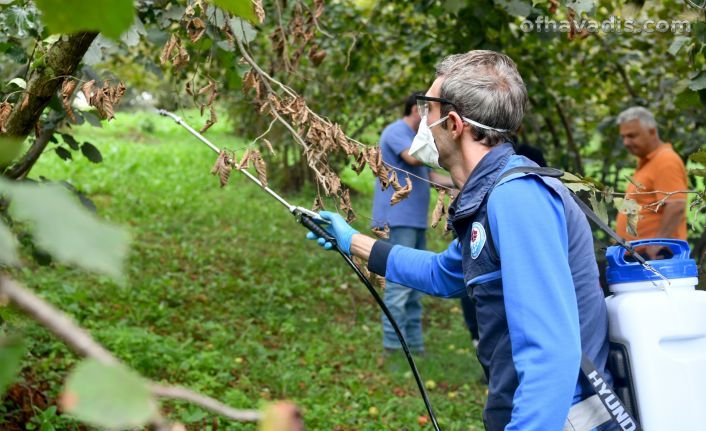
x=672, y=215
x=530, y=234
x=438, y=274
x=441, y=179
x=409, y=159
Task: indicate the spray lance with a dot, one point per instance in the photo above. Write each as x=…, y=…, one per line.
x=312, y=221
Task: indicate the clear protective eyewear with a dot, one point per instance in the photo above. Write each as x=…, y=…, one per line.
x=423, y=109
x=423, y=104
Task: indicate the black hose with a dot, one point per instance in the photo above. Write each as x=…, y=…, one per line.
x=318, y=230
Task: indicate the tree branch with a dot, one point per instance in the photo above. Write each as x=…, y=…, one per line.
x=207, y=403
x=570, y=138
x=80, y=341
x=20, y=169
x=61, y=60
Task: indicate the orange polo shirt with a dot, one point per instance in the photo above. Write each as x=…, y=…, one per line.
x=661, y=170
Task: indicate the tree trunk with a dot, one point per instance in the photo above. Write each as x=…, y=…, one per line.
x=45, y=80
x=573, y=148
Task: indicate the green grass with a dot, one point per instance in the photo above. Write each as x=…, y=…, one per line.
x=224, y=295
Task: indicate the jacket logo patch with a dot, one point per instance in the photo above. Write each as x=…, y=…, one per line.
x=477, y=239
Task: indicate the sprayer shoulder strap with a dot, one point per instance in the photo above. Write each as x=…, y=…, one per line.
x=613, y=405
x=557, y=173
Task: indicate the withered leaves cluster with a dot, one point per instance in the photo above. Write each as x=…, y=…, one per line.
x=290, y=42
x=223, y=167
x=175, y=52
x=103, y=98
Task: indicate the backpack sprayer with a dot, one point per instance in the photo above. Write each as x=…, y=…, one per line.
x=312, y=221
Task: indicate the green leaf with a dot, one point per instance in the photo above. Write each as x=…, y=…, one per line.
x=70, y=141
x=12, y=349
x=698, y=83
x=515, y=7
x=18, y=82
x=241, y=8
x=698, y=172
x=91, y=152
x=599, y=208
x=63, y=153
x=677, y=44
x=110, y=17
x=108, y=396
x=66, y=230
x=699, y=157
x=8, y=246
x=580, y=6
x=242, y=30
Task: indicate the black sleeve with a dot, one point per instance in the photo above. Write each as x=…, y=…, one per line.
x=377, y=262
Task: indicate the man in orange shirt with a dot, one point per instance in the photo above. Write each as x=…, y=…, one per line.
x=659, y=170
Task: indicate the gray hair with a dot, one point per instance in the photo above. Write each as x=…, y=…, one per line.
x=638, y=113
x=486, y=87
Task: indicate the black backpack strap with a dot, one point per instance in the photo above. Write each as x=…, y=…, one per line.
x=615, y=407
x=612, y=403
x=558, y=173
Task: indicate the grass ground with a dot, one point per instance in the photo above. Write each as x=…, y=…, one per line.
x=225, y=296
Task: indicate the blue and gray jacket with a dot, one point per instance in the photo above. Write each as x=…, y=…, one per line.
x=538, y=309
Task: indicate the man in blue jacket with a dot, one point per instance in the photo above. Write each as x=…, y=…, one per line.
x=523, y=251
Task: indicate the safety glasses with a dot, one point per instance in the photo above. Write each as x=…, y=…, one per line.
x=423, y=104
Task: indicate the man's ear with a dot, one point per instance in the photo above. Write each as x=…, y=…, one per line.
x=455, y=124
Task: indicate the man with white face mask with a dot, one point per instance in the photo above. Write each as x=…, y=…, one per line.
x=523, y=251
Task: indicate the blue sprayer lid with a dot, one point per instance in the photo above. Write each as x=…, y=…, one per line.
x=679, y=265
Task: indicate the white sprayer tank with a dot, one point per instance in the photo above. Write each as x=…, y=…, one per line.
x=658, y=331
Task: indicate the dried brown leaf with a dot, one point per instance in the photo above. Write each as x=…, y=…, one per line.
x=195, y=28
x=385, y=177
x=167, y=50
x=318, y=203
x=316, y=55
x=119, y=93
x=222, y=167
x=402, y=193
x=87, y=89
x=382, y=233
x=244, y=160
x=5, y=110
x=188, y=89
x=250, y=80
x=346, y=207
x=439, y=208
x=182, y=56
x=359, y=163
x=260, y=166
x=211, y=120
x=259, y=11
x=333, y=183
x=318, y=8
x=67, y=90
x=268, y=145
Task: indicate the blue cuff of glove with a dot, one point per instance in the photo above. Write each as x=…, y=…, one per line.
x=377, y=262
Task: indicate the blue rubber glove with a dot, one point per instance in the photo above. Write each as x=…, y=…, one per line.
x=339, y=229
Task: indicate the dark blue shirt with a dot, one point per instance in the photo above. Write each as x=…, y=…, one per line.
x=413, y=211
